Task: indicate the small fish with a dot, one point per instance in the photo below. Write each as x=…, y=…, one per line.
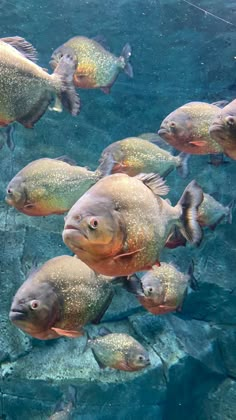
x=26, y=89
x=162, y=289
x=97, y=67
x=134, y=155
x=6, y=137
x=223, y=129
x=211, y=212
x=118, y=351
x=49, y=186
x=64, y=407
x=60, y=298
x=187, y=128
x=121, y=225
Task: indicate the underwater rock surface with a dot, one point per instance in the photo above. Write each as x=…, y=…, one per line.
x=179, y=55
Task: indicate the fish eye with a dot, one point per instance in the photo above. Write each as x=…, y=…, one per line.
x=34, y=304
x=141, y=358
x=150, y=289
x=230, y=120
x=9, y=191
x=93, y=223
x=172, y=124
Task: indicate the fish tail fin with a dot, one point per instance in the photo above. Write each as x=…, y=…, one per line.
x=65, y=71
x=231, y=207
x=189, y=202
x=183, y=167
x=126, y=54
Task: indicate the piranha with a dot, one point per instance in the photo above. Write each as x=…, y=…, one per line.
x=59, y=298
x=118, y=351
x=211, y=212
x=187, y=128
x=49, y=186
x=121, y=224
x=223, y=129
x=162, y=289
x=97, y=67
x=134, y=155
x=27, y=90
x=64, y=408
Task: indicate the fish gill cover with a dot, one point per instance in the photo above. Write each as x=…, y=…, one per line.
x=124, y=69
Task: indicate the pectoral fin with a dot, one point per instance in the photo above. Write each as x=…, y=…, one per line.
x=67, y=333
x=199, y=143
x=127, y=254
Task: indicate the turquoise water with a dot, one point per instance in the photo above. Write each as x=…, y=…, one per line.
x=179, y=54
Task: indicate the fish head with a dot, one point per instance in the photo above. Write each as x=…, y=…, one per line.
x=137, y=357
x=59, y=53
x=176, y=128
x=152, y=286
x=95, y=229
x=223, y=127
x=16, y=194
x=35, y=308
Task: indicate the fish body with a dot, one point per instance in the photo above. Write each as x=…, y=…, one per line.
x=223, y=129
x=160, y=290
x=97, y=67
x=119, y=351
x=121, y=224
x=48, y=186
x=187, y=128
x=211, y=212
x=26, y=89
x=134, y=155
x=60, y=298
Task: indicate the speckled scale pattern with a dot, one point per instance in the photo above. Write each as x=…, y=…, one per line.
x=136, y=155
x=84, y=294
x=97, y=66
x=22, y=85
x=52, y=186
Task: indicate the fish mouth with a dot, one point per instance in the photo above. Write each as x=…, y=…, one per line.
x=17, y=314
x=162, y=131
x=74, y=230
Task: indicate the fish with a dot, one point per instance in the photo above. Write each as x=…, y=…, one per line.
x=49, y=186
x=187, y=128
x=64, y=407
x=223, y=129
x=7, y=137
x=27, y=90
x=121, y=225
x=156, y=139
x=60, y=298
x=211, y=212
x=162, y=289
x=134, y=155
x=97, y=67
x=175, y=239
x=118, y=351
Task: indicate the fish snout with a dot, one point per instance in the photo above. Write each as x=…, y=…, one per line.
x=18, y=313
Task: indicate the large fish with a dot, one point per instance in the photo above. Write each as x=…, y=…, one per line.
x=118, y=351
x=134, y=155
x=26, y=90
x=97, y=67
x=162, y=289
x=60, y=298
x=49, y=186
x=223, y=129
x=187, y=128
x=121, y=224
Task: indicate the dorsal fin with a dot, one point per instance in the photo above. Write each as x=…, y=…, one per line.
x=154, y=182
x=23, y=46
x=102, y=41
x=66, y=159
